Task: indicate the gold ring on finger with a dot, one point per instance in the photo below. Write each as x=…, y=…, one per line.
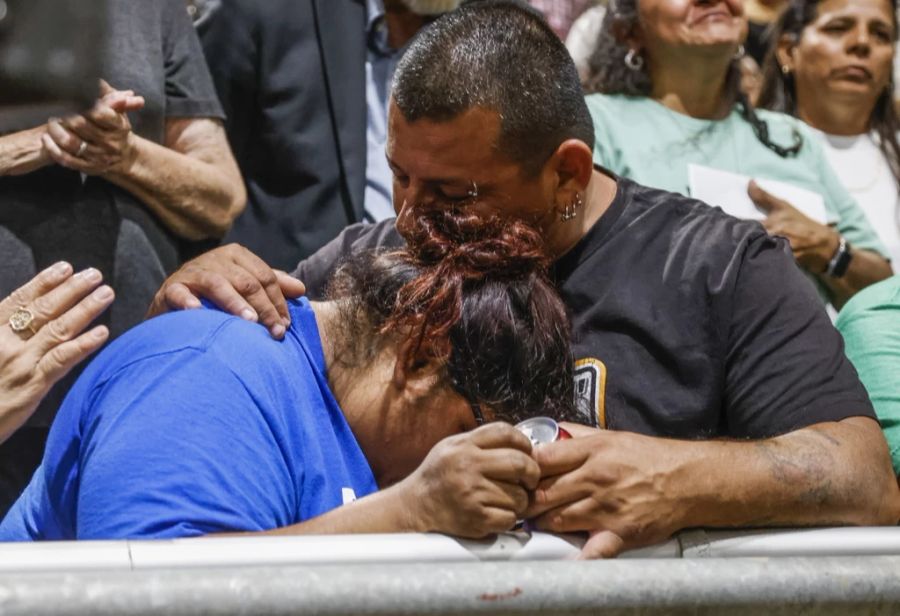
x=22, y=320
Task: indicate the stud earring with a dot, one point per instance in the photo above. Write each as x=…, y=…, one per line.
x=571, y=211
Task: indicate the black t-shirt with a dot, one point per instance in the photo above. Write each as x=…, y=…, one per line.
x=686, y=322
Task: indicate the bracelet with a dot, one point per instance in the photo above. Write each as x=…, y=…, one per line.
x=839, y=263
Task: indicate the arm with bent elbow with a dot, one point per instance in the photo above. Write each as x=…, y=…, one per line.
x=191, y=181
x=632, y=490
x=469, y=485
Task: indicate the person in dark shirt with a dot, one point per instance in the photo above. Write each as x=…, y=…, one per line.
x=132, y=187
x=702, y=350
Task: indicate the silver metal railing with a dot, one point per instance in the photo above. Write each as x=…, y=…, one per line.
x=810, y=571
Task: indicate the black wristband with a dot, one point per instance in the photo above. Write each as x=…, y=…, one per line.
x=839, y=263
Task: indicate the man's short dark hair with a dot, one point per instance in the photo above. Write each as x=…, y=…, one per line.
x=501, y=56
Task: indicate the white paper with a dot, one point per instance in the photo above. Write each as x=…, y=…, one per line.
x=729, y=191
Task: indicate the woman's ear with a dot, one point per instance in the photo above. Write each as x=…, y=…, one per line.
x=784, y=53
x=416, y=364
x=629, y=34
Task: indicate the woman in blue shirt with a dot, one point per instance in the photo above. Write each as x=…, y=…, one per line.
x=198, y=422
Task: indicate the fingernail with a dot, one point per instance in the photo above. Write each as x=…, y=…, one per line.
x=248, y=315
x=103, y=294
x=61, y=269
x=278, y=331
x=101, y=332
x=91, y=274
x=286, y=322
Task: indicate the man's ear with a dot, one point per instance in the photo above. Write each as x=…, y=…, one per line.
x=784, y=52
x=416, y=364
x=573, y=166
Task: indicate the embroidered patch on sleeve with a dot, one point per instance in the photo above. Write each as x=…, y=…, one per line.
x=590, y=391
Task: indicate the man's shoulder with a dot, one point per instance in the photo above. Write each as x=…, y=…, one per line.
x=316, y=271
x=701, y=227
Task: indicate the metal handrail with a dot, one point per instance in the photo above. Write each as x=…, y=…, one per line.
x=422, y=548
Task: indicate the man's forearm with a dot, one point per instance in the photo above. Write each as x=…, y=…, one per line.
x=835, y=473
x=194, y=198
x=22, y=152
x=866, y=267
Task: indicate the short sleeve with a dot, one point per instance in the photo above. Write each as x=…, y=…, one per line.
x=785, y=362
x=317, y=269
x=189, y=88
x=870, y=325
x=173, y=459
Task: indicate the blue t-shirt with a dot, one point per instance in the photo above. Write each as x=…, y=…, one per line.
x=195, y=422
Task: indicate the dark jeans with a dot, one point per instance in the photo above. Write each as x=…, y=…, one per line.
x=19, y=457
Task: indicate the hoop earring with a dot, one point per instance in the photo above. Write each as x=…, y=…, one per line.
x=633, y=60
x=571, y=211
x=739, y=53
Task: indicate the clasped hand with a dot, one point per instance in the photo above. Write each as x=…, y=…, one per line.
x=472, y=484
x=99, y=140
x=615, y=485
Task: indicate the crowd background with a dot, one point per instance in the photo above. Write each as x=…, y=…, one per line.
x=266, y=123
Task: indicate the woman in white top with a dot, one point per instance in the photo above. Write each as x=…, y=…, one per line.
x=666, y=103
x=831, y=66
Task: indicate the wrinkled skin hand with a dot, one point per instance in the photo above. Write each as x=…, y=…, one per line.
x=473, y=484
x=612, y=484
x=812, y=243
x=63, y=306
x=235, y=280
x=105, y=131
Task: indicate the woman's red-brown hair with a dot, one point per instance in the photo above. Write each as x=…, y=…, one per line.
x=476, y=289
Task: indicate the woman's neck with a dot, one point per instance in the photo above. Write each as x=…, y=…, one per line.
x=695, y=87
x=837, y=117
x=328, y=321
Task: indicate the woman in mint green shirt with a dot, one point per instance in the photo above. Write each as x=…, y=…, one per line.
x=870, y=324
x=665, y=83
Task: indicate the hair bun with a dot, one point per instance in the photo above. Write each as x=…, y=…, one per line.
x=456, y=251
x=475, y=247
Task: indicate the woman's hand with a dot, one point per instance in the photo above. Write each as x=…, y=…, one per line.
x=473, y=484
x=812, y=243
x=99, y=140
x=41, y=336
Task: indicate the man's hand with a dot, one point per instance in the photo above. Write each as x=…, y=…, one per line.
x=237, y=281
x=473, y=484
x=813, y=243
x=98, y=141
x=613, y=484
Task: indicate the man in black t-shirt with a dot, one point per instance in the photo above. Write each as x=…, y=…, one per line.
x=702, y=350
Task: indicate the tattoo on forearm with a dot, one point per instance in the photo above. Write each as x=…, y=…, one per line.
x=808, y=469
